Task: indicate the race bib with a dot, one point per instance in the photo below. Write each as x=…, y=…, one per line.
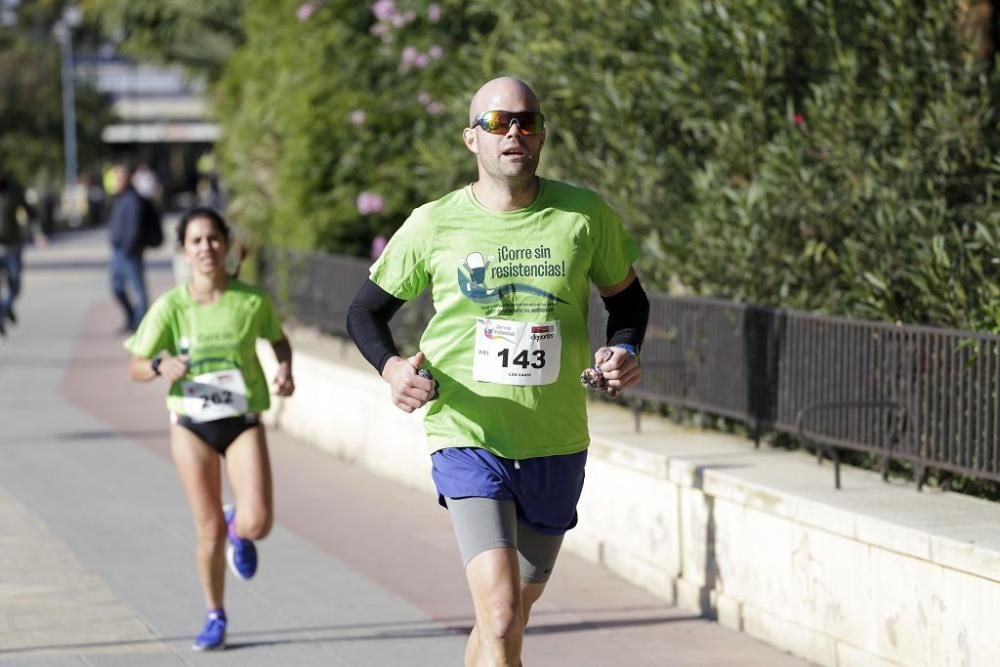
x=519, y=353
x=216, y=395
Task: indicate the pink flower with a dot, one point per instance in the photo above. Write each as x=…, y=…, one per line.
x=378, y=245
x=436, y=52
x=409, y=58
x=421, y=61
x=410, y=55
x=384, y=9
x=435, y=108
x=370, y=202
x=425, y=98
x=379, y=29
x=397, y=20
x=434, y=13
x=306, y=10
x=799, y=119
x=357, y=117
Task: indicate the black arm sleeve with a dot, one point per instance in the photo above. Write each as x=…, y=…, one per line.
x=368, y=323
x=628, y=315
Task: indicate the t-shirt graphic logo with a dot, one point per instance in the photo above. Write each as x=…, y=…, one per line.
x=476, y=267
x=472, y=282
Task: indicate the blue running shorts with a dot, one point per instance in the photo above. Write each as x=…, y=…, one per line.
x=545, y=490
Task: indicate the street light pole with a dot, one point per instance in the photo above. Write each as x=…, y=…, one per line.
x=69, y=107
x=8, y=13
x=71, y=18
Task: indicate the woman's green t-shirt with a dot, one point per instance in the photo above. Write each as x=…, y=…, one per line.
x=219, y=336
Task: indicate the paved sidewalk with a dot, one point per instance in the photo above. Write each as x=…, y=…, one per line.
x=96, y=547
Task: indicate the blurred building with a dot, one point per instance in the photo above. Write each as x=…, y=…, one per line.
x=162, y=120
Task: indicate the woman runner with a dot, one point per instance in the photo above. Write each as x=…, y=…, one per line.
x=201, y=337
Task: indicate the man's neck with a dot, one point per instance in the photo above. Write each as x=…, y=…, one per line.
x=507, y=196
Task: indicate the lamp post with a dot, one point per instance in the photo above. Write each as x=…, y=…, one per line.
x=8, y=13
x=71, y=18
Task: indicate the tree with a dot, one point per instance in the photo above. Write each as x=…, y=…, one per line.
x=200, y=35
x=837, y=156
x=31, y=143
x=340, y=117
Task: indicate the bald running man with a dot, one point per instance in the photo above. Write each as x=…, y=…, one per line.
x=509, y=261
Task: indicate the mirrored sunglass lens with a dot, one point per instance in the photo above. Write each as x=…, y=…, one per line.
x=494, y=122
x=498, y=122
x=529, y=121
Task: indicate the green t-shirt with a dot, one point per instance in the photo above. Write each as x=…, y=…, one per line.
x=488, y=272
x=219, y=336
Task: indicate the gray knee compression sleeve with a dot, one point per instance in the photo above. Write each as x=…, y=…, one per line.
x=482, y=524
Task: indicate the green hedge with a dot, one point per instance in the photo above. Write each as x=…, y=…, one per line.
x=831, y=155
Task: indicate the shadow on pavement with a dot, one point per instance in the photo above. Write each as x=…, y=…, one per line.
x=36, y=264
x=87, y=436
x=393, y=630
x=107, y=435
x=55, y=362
x=606, y=624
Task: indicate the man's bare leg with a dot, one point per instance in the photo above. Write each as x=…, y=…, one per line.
x=496, y=638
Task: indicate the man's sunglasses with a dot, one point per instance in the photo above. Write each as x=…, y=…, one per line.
x=498, y=122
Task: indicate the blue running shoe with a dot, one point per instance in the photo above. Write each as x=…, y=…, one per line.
x=241, y=554
x=213, y=635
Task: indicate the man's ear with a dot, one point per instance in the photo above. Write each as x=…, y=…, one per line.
x=469, y=137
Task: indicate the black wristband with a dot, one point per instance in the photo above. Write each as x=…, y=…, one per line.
x=155, y=364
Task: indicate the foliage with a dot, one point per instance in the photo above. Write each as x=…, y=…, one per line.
x=31, y=141
x=832, y=156
x=323, y=110
x=200, y=35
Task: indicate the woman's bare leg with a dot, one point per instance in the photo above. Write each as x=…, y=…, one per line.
x=200, y=474
x=249, y=468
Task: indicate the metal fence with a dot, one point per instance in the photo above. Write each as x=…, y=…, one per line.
x=926, y=396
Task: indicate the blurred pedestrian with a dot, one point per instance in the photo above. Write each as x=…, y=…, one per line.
x=207, y=188
x=131, y=220
x=96, y=198
x=146, y=183
x=15, y=228
x=109, y=179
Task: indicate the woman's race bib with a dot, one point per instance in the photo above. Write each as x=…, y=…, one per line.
x=215, y=395
x=519, y=353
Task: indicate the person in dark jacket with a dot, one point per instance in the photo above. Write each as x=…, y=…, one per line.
x=125, y=225
x=12, y=240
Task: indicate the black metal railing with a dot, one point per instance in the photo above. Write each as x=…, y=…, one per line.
x=317, y=289
x=926, y=396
